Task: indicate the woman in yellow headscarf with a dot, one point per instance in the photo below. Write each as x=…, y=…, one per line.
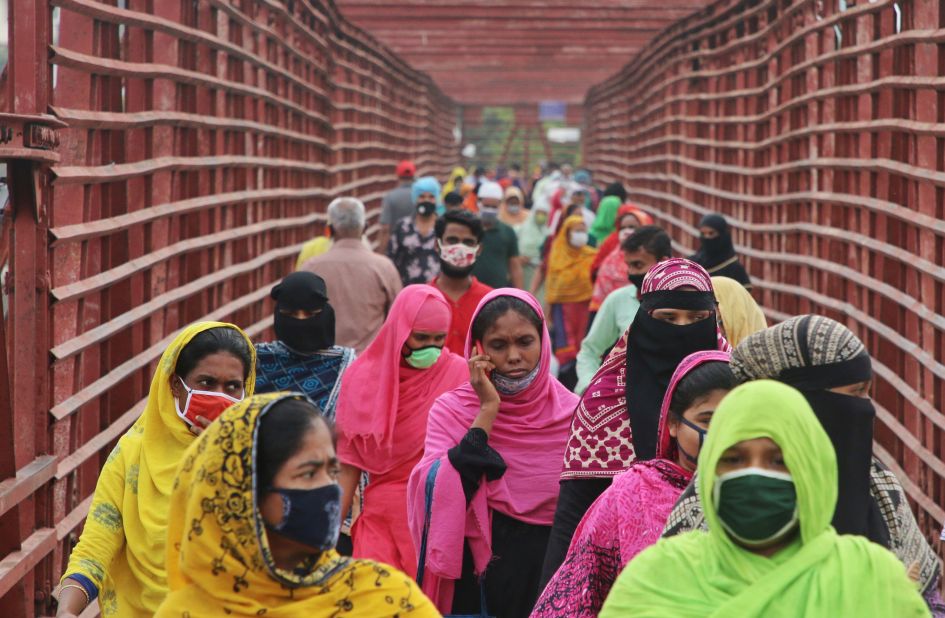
x=455, y=183
x=739, y=314
x=254, y=519
x=120, y=556
x=568, y=290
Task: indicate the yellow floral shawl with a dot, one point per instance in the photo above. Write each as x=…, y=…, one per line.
x=218, y=557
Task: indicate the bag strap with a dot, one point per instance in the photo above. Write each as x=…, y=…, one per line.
x=427, y=511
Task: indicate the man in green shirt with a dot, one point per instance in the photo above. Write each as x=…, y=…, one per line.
x=498, y=266
x=641, y=251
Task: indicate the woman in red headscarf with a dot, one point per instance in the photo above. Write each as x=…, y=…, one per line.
x=629, y=218
x=381, y=415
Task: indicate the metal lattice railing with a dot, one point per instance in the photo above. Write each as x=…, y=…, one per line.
x=817, y=128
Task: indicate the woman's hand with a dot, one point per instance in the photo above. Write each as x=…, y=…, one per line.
x=480, y=368
x=202, y=423
x=71, y=599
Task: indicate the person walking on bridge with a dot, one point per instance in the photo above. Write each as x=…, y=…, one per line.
x=412, y=245
x=717, y=253
x=120, y=557
x=363, y=285
x=499, y=265
x=397, y=204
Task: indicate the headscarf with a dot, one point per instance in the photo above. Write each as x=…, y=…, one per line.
x=382, y=403
x=741, y=315
x=505, y=216
x=624, y=397
x=569, y=269
x=612, y=242
x=813, y=353
x=606, y=220
x=304, y=290
x=219, y=561
x=532, y=235
x=427, y=184
x=149, y=453
x=713, y=253
x=820, y=573
x=455, y=183
x=529, y=426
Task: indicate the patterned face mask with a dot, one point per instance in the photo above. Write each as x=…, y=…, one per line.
x=510, y=386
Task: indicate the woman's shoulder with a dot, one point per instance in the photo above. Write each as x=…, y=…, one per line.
x=378, y=589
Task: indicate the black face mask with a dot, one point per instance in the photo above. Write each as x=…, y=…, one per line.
x=848, y=421
x=654, y=350
x=425, y=209
x=308, y=335
x=637, y=280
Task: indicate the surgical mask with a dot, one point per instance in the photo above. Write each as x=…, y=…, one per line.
x=423, y=358
x=541, y=218
x=208, y=404
x=511, y=386
x=756, y=506
x=578, y=239
x=311, y=517
x=699, y=430
x=637, y=280
x=513, y=209
x=625, y=233
x=489, y=215
x=459, y=255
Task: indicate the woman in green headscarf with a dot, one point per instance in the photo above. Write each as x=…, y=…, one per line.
x=769, y=473
x=606, y=221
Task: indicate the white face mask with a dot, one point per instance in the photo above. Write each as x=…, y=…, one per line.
x=459, y=255
x=577, y=239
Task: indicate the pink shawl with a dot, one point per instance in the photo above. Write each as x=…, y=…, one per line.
x=601, y=443
x=530, y=429
x=626, y=519
x=380, y=398
x=611, y=276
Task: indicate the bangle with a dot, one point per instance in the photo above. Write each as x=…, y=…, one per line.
x=82, y=588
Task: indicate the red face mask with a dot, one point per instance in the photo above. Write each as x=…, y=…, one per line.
x=208, y=404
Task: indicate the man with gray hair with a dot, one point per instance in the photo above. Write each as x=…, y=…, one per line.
x=361, y=284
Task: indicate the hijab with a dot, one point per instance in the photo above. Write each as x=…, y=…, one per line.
x=532, y=235
x=218, y=559
x=618, y=404
x=655, y=348
x=530, y=428
x=382, y=402
x=813, y=354
x=606, y=220
x=714, y=252
x=612, y=242
x=569, y=268
x=741, y=315
x=820, y=573
x=305, y=291
x=507, y=217
x=455, y=183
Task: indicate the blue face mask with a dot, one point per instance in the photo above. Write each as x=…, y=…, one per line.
x=311, y=517
x=699, y=430
x=510, y=386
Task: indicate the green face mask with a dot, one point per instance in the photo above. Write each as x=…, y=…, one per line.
x=423, y=358
x=756, y=506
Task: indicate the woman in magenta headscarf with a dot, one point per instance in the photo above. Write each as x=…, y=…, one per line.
x=493, y=445
x=382, y=418
x=615, y=422
x=631, y=514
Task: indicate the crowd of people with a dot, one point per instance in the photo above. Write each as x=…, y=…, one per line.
x=515, y=400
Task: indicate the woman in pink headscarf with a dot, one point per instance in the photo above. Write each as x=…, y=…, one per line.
x=494, y=443
x=615, y=423
x=382, y=417
x=631, y=514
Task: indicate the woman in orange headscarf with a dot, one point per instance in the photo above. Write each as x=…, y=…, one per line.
x=569, y=289
x=629, y=217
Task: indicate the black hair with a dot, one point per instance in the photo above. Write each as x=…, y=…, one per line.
x=281, y=430
x=499, y=306
x=617, y=190
x=650, y=238
x=707, y=377
x=211, y=341
x=516, y=167
x=462, y=217
x=452, y=199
